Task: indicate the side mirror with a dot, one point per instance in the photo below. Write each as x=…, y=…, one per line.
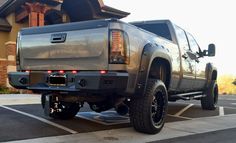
x=211, y=50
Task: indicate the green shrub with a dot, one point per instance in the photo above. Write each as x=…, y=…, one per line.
x=5, y=90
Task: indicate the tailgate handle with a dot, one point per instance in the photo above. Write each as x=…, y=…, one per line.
x=58, y=38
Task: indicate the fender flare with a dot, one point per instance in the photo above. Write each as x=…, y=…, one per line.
x=149, y=53
x=210, y=68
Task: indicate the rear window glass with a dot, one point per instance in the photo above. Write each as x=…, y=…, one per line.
x=160, y=29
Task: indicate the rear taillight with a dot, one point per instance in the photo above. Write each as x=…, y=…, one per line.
x=118, y=47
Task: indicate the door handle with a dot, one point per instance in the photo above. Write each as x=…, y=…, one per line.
x=58, y=38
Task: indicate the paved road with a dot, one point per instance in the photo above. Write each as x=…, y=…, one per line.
x=24, y=119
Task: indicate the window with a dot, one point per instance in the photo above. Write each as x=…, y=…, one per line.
x=160, y=29
x=182, y=39
x=193, y=44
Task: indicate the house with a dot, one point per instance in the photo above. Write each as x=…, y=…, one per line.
x=17, y=14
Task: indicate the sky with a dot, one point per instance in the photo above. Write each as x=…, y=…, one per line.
x=210, y=21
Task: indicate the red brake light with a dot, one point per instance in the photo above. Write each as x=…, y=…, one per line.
x=74, y=72
x=61, y=71
x=27, y=71
x=103, y=72
x=49, y=72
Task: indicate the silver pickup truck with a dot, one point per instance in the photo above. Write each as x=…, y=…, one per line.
x=134, y=68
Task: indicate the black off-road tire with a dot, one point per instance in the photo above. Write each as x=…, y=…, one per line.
x=209, y=102
x=148, y=113
x=68, y=112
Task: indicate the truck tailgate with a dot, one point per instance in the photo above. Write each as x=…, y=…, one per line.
x=84, y=47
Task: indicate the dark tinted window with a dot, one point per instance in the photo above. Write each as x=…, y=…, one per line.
x=160, y=29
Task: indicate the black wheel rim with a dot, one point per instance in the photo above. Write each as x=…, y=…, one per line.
x=158, y=108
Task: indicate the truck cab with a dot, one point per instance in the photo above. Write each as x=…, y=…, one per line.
x=190, y=63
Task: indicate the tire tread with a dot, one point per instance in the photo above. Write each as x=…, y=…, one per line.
x=139, y=109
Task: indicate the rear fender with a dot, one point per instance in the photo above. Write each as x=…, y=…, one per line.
x=149, y=53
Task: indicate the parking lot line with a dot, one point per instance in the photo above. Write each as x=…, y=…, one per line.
x=182, y=117
x=221, y=111
x=41, y=119
x=183, y=110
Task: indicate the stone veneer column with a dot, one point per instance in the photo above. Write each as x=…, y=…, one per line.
x=36, y=13
x=11, y=59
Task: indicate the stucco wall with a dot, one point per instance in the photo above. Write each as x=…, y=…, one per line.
x=15, y=27
x=3, y=40
x=8, y=48
x=10, y=36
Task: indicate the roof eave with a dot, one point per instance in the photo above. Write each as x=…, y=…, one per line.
x=4, y=8
x=11, y=5
x=114, y=12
